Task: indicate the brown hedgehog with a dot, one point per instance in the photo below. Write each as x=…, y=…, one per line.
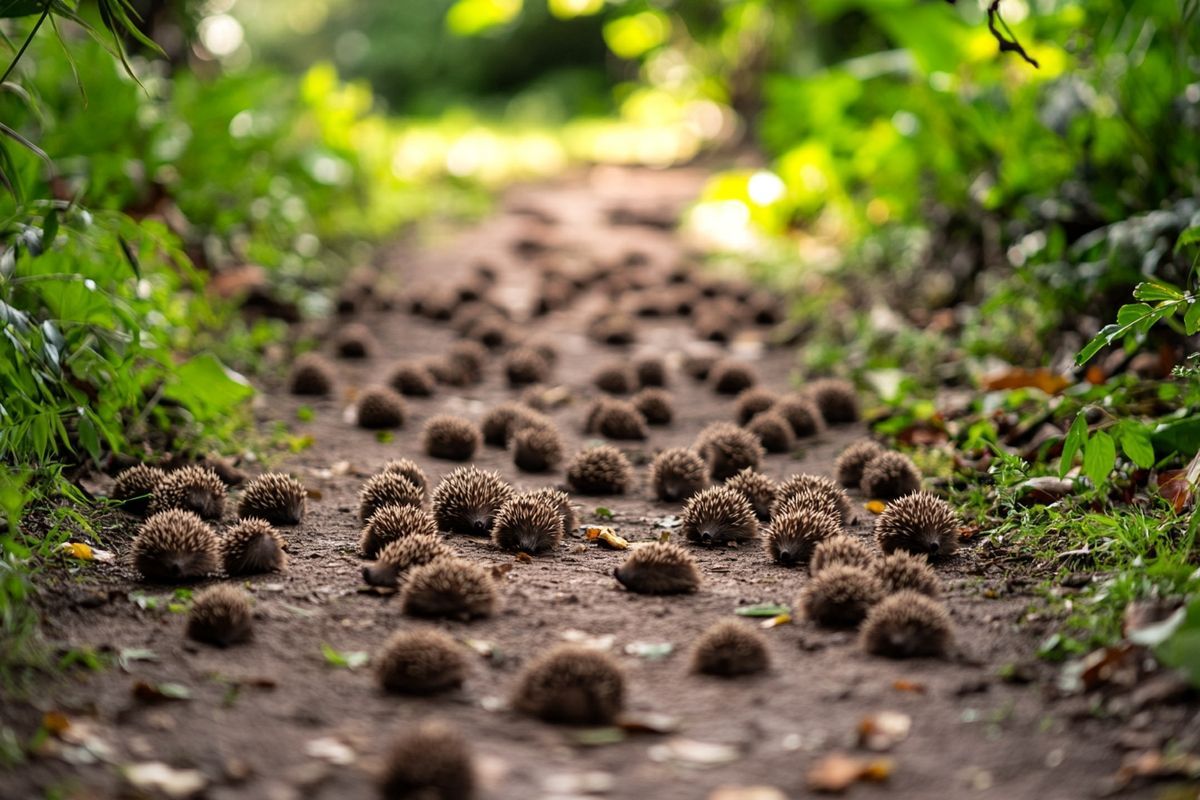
x=614, y=378
x=773, y=431
x=251, y=547
x=840, y=596
x=391, y=523
x=446, y=371
x=432, y=761
x=837, y=400
x=765, y=308
x=449, y=437
x=397, y=557
x=380, y=408
x=793, y=536
x=889, y=476
x=311, y=375
x=134, y=488
x=410, y=470
x=840, y=549
x=501, y=422
x=729, y=649
x=650, y=371
x=731, y=377
x=758, y=489
x=220, y=615
x=699, y=366
x=903, y=571
x=712, y=324
x=677, y=473
x=918, y=523
x=718, y=515
x=562, y=502
x=797, y=485
x=468, y=358
x=524, y=366
x=173, y=546
x=354, y=340
x=420, y=662
x=412, y=379
x=655, y=405
x=528, y=523
x=614, y=329
x=449, y=587
x=908, y=625
x=599, y=470
x=387, y=489
x=853, y=460
x=492, y=331
x=193, y=488
x=536, y=448
x=616, y=419
x=278, y=498
x=573, y=685
x=728, y=449
x=659, y=568
x=752, y=402
x=801, y=413
x=467, y=500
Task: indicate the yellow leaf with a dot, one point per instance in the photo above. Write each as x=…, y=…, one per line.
x=876, y=506
x=55, y=723
x=77, y=550
x=607, y=536
x=776, y=621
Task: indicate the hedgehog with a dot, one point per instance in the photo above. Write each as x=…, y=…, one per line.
x=173, y=546
x=492, y=331
x=449, y=587
x=528, y=523
x=562, y=503
x=431, y=761
x=728, y=449
x=659, y=568
x=409, y=469
x=354, y=341
x=278, y=498
x=655, y=406
x=718, y=515
x=571, y=684
x=758, y=489
x=467, y=359
x=524, y=366
x=840, y=549
x=387, y=489
x=251, y=547
x=613, y=329
x=599, y=470
x=466, y=501
x=794, y=535
x=752, y=402
x=393, y=522
x=729, y=649
x=547, y=350
x=537, y=448
x=731, y=377
x=698, y=367
x=397, y=557
x=311, y=375
x=380, y=408
x=446, y=371
x=710, y=324
x=682, y=301
x=801, y=413
x=764, y=308
x=889, y=476
x=650, y=371
x=616, y=419
x=220, y=615
x=615, y=378
x=134, y=488
x=420, y=662
x=829, y=496
x=448, y=437
x=907, y=624
x=850, y=463
x=840, y=596
x=919, y=523
x=773, y=431
x=499, y=424
x=677, y=473
x=191, y=488
x=836, y=399
x=901, y=571
x=412, y=379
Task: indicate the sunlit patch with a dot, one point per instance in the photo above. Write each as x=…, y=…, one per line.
x=765, y=188
x=221, y=34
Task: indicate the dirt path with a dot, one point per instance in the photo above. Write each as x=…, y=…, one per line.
x=254, y=710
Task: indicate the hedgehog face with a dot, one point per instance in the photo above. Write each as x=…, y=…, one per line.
x=718, y=515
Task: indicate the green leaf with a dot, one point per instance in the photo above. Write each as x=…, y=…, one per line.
x=49, y=229
x=10, y=9
x=1099, y=458
x=1191, y=319
x=1189, y=236
x=175, y=691
x=1182, y=649
x=1135, y=443
x=603, y=513
x=348, y=660
x=1179, y=436
x=1155, y=291
x=762, y=610
x=207, y=387
x=88, y=436
x=1076, y=437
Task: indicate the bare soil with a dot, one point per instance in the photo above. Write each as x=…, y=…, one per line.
x=255, y=709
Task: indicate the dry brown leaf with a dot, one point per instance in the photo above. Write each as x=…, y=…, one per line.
x=55, y=723
x=837, y=772
x=524, y=558
x=905, y=685
x=648, y=722
x=500, y=570
x=883, y=730
x=1018, y=378
x=606, y=536
x=695, y=753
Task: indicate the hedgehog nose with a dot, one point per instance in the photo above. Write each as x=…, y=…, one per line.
x=785, y=557
x=706, y=537
x=934, y=546
x=479, y=526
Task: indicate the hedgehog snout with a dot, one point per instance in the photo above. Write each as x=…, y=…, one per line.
x=706, y=537
x=934, y=547
x=785, y=557
x=479, y=526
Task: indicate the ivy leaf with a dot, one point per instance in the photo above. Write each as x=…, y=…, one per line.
x=1099, y=458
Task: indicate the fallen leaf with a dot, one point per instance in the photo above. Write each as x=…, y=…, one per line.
x=651, y=651
x=157, y=777
x=608, y=537
x=130, y=654
x=747, y=793
x=664, y=537
x=905, y=685
x=762, y=610
x=648, y=723
x=668, y=523
x=1157, y=765
x=523, y=558
x=329, y=749
x=595, y=737
x=500, y=570
x=77, y=550
x=576, y=784
x=55, y=723
x=160, y=692
x=603, y=513
x=776, y=621
x=836, y=772
x=485, y=649
x=1175, y=488
x=875, y=506
x=883, y=730
x=1019, y=378
x=591, y=642
x=695, y=753
x=352, y=659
